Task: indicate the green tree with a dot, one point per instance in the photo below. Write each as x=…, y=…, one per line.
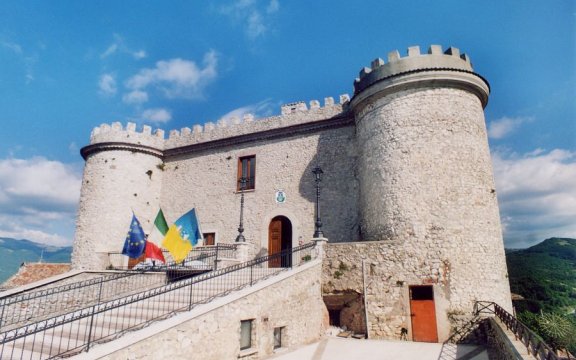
x=558, y=331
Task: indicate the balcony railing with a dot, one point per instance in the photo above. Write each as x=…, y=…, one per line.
x=74, y=332
x=534, y=344
x=33, y=306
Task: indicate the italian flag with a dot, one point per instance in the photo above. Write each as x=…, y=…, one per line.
x=156, y=237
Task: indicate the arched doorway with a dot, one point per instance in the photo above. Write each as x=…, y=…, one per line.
x=280, y=239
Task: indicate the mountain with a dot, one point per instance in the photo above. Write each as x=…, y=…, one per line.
x=14, y=252
x=545, y=275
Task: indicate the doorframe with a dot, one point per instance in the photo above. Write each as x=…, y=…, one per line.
x=296, y=234
x=285, y=242
x=436, y=301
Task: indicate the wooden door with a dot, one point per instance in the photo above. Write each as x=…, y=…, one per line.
x=275, y=241
x=423, y=314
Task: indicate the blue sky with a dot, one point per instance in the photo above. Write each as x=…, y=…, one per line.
x=68, y=66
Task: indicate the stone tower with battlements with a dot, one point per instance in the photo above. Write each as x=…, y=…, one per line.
x=407, y=186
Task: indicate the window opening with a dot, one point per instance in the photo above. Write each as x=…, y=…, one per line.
x=278, y=337
x=209, y=238
x=421, y=293
x=247, y=169
x=245, y=334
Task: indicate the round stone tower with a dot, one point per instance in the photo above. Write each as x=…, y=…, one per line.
x=425, y=172
x=122, y=174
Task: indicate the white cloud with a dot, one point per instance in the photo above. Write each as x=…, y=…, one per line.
x=261, y=109
x=255, y=17
x=28, y=60
x=118, y=46
x=109, y=51
x=141, y=54
x=273, y=6
x=537, y=195
x=16, y=48
x=157, y=115
x=38, y=200
x=39, y=179
x=500, y=128
x=256, y=26
x=107, y=85
x=135, y=97
x=73, y=148
x=177, y=78
x=39, y=236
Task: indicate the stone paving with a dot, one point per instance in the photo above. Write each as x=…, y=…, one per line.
x=333, y=348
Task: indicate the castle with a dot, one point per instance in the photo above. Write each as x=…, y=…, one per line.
x=407, y=197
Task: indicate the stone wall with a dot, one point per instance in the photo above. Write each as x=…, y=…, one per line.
x=294, y=303
x=129, y=171
x=425, y=156
x=115, y=184
x=207, y=181
x=391, y=267
x=406, y=164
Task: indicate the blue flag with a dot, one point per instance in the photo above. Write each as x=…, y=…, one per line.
x=189, y=227
x=135, y=240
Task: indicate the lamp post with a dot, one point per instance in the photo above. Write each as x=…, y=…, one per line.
x=240, y=237
x=317, y=171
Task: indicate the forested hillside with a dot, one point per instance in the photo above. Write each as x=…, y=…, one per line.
x=545, y=276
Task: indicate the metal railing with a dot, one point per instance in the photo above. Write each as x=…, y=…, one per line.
x=534, y=344
x=74, y=332
x=200, y=253
x=35, y=305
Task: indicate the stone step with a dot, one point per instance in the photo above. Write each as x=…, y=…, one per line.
x=9, y=352
x=517, y=344
x=42, y=347
x=128, y=317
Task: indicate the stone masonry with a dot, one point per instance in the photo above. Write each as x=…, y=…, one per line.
x=407, y=189
x=294, y=304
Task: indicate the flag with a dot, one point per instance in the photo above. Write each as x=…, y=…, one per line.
x=135, y=240
x=154, y=252
x=189, y=227
x=177, y=246
x=160, y=229
x=181, y=236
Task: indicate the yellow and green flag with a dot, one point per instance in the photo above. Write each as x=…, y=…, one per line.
x=181, y=236
x=178, y=246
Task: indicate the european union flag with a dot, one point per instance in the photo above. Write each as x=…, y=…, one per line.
x=135, y=240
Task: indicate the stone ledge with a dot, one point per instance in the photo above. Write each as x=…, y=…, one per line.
x=247, y=352
x=155, y=328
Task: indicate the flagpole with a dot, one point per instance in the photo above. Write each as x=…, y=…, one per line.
x=240, y=237
x=199, y=228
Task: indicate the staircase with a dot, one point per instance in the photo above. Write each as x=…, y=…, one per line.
x=33, y=305
x=68, y=334
x=511, y=337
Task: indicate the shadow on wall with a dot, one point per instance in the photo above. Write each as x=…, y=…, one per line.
x=339, y=191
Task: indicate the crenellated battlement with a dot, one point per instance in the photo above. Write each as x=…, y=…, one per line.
x=291, y=114
x=435, y=58
x=116, y=133
x=407, y=179
x=417, y=68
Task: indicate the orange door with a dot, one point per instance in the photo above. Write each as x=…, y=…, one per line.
x=423, y=314
x=274, y=241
